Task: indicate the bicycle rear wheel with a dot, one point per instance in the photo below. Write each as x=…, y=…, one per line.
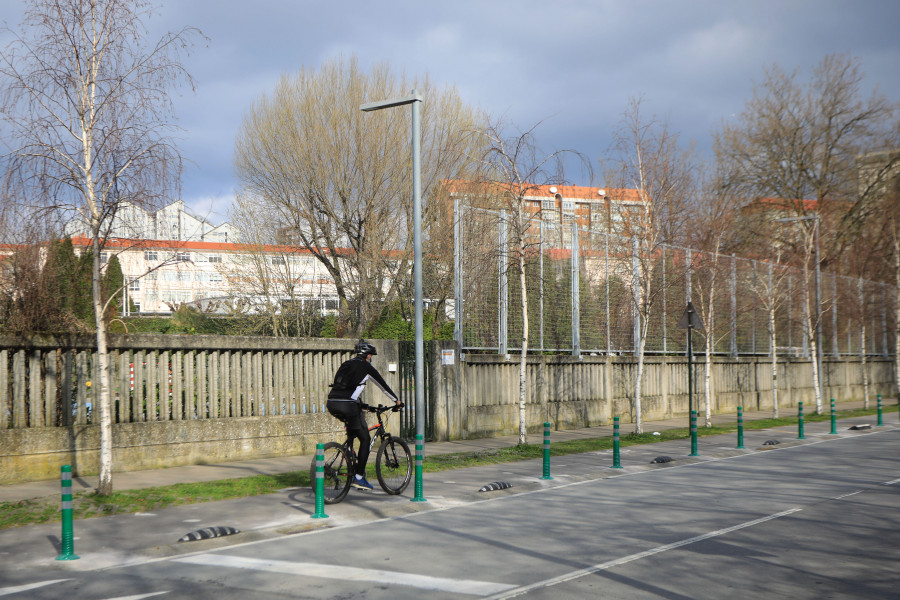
x=337, y=473
x=393, y=465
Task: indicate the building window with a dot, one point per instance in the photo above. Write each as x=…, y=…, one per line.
x=134, y=285
x=104, y=258
x=183, y=257
x=151, y=255
x=214, y=258
x=568, y=205
x=548, y=204
x=277, y=260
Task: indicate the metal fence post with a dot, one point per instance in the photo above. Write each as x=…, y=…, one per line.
x=734, y=350
x=576, y=300
x=457, y=274
x=504, y=289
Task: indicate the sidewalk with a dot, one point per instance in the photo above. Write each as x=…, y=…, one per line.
x=267, y=466
x=127, y=538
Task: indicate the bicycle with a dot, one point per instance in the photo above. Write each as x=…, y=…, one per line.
x=393, y=464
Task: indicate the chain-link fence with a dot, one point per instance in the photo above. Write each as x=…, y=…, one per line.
x=594, y=300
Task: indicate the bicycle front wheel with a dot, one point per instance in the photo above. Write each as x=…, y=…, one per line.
x=337, y=473
x=393, y=465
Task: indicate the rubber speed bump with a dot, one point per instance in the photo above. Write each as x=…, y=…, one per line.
x=496, y=485
x=208, y=533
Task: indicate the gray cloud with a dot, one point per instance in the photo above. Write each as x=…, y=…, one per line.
x=573, y=64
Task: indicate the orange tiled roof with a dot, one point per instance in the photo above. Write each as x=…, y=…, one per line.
x=569, y=192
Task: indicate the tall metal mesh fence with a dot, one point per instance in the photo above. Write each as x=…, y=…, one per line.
x=587, y=301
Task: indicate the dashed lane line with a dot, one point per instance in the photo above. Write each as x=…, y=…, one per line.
x=28, y=586
x=518, y=591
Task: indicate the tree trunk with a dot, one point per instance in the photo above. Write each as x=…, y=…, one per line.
x=523, y=431
x=774, y=359
x=101, y=394
x=811, y=336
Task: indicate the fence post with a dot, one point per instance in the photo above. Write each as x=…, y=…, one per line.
x=576, y=303
x=503, y=348
x=67, y=541
x=694, y=434
x=457, y=274
x=740, y=424
x=617, y=463
x=320, y=483
x=546, y=451
x=800, y=435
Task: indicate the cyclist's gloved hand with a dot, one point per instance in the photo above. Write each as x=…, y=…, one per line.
x=397, y=407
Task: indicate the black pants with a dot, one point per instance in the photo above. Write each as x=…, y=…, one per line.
x=350, y=412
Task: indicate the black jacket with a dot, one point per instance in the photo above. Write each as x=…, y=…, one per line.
x=351, y=378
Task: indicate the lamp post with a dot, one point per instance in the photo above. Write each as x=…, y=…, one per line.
x=818, y=331
x=415, y=100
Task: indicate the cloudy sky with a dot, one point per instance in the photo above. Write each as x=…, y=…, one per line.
x=570, y=64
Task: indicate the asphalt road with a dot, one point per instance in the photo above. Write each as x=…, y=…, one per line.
x=819, y=520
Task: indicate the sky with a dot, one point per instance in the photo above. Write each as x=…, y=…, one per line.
x=568, y=66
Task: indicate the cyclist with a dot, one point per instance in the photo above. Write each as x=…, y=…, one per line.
x=344, y=403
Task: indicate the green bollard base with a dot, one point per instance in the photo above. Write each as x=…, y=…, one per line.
x=322, y=516
x=546, y=477
x=67, y=557
x=617, y=467
x=418, y=500
x=740, y=447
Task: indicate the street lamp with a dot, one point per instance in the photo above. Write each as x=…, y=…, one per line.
x=415, y=100
x=815, y=219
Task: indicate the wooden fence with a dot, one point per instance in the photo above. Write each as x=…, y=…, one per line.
x=50, y=381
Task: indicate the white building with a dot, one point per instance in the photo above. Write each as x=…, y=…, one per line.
x=171, y=222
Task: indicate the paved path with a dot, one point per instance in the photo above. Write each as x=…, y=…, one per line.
x=810, y=518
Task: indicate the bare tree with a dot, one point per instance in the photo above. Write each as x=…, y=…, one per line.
x=88, y=103
x=799, y=141
x=515, y=169
x=650, y=160
x=339, y=182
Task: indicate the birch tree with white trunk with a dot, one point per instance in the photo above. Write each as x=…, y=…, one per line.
x=86, y=99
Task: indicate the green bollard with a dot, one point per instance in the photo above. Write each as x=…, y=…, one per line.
x=740, y=417
x=546, y=451
x=880, y=420
x=320, y=483
x=694, y=434
x=800, y=435
x=67, y=543
x=617, y=463
x=833, y=418
x=420, y=456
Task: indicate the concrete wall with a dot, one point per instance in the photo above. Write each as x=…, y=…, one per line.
x=234, y=386
x=478, y=396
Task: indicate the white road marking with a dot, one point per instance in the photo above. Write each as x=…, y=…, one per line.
x=29, y=586
x=892, y=482
x=344, y=573
x=632, y=557
x=850, y=494
x=138, y=596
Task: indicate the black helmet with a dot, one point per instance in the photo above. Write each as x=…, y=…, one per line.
x=365, y=348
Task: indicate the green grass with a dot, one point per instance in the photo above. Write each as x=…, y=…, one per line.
x=89, y=504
